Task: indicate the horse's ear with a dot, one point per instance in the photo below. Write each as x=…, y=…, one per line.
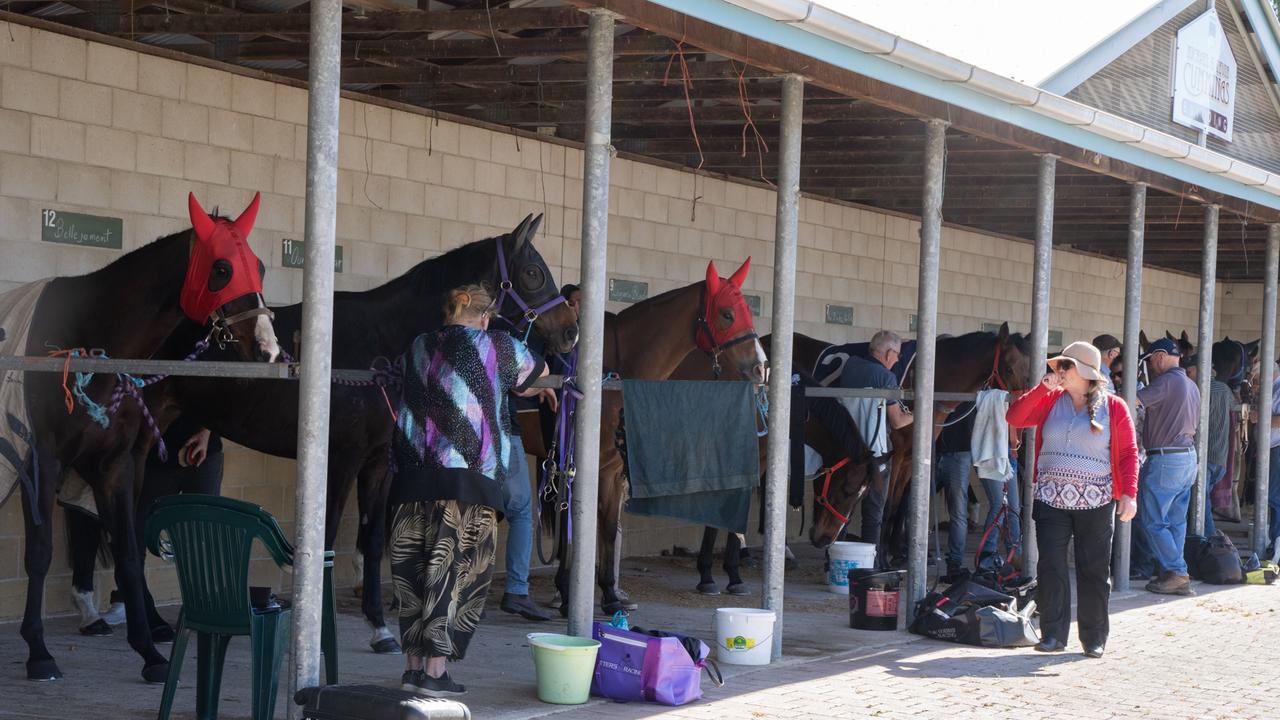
x=713, y=278
x=1143, y=342
x=1168, y=335
x=244, y=223
x=1185, y=340
x=200, y=220
x=1003, y=335
x=521, y=234
x=1252, y=348
x=740, y=275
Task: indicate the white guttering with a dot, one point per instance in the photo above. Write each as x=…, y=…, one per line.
x=845, y=30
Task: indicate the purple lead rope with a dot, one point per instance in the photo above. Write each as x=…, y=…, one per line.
x=562, y=465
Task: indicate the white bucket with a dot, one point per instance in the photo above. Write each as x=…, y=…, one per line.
x=845, y=556
x=744, y=636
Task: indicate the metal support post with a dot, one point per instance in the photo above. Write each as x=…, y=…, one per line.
x=317, y=340
x=784, y=301
x=926, y=361
x=1204, y=365
x=595, y=228
x=1042, y=281
x=1132, y=327
x=1262, y=533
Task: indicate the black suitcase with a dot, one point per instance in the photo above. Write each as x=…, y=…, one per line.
x=373, y=702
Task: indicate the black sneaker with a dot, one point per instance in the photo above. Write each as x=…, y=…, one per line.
x=443, y=686
x=412, y=680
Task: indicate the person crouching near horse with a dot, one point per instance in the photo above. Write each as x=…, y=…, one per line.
x=1086, y=475
x=450, y=451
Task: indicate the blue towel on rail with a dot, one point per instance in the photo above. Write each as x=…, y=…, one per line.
x=692, y=450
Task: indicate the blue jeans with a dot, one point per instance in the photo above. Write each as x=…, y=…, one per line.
x=1164, y=492
x=1215, y=473
x=953, y=477
x=1273, y=494
x=518, y=498
x=1012, y=519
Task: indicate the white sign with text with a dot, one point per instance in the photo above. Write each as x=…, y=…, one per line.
x=1204, y=78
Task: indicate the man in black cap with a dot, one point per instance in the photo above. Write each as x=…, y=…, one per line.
x=1172, y=403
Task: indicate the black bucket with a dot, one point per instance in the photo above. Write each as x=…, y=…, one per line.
x=873, y=599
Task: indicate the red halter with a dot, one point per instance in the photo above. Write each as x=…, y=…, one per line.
x=822, y=498
x=994, y=378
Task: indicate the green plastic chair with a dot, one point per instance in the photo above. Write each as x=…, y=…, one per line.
x=210, y=540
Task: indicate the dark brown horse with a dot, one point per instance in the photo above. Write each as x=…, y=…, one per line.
x=966, y=363
x=263, y=415
x=127, y=309
x=648, y=341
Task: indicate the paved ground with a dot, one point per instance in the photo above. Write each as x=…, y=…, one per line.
x=1210, y=656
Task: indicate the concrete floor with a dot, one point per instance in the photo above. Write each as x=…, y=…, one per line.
x=101, y=674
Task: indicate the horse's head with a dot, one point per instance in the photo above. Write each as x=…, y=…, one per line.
x=1230, y=361
x=1187, y=350
x=224, y=283
x=1014, y=366
x=836, y=492
x=528, y=292
x=726, y=327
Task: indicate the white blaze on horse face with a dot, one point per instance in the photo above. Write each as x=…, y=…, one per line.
x=265, y=335
x=760, y=372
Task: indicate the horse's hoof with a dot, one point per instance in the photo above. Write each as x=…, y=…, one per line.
x=43, y=670
x=162, y=634
x=97, y=628
x=386, y=646
x=156, y=673
x=610, y=608
x=738, y=589
x=708, y=588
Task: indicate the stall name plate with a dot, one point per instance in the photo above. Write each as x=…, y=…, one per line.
x=293, y=254
x=627, y=291
x=839, y=314
x=755, y=303
x=71, y=228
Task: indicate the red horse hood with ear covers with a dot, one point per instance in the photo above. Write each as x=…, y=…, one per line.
x=722, y=294
x=219, y=239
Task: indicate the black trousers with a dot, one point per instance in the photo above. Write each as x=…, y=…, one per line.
x=1092, y=530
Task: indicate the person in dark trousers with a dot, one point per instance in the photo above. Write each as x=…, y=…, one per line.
x=193, y=464
x=955, y=462
x=1086, y=475
x=875, y=418
x=1172, y=406
x=451, y=449
x=1219, y=445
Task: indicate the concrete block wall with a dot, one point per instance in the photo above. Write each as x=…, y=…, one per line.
x=94, y=128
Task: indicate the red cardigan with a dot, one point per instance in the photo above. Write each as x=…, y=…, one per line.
x=1032, y=409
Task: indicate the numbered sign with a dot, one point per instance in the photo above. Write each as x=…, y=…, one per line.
x=628, y=291
x=839, y=314
x=754, y=302
x=72, y=228
x=293, y=254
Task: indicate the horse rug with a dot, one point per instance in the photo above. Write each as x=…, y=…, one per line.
x=691, y=450
x=17, y=307
x=831, y=361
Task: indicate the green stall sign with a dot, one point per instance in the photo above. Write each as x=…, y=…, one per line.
x=70, y=228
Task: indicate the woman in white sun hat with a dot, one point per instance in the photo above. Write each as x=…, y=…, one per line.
x=1086, y=475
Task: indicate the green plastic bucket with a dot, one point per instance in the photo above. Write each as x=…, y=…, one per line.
x=565, y=665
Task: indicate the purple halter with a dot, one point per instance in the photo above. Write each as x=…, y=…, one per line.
x=507, y=290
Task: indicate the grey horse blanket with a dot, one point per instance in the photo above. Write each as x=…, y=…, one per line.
x=16, y=465
x=692, y=451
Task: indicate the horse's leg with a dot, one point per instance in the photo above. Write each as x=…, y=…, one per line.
x=38, y=555
x=706, y=558
x=83, y=534
x=607, y=565
x=563, y=552
x=372, y=485
x=118, y=514
x=732, y=562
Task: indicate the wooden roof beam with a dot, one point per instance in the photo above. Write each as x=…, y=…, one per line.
x=388, y=17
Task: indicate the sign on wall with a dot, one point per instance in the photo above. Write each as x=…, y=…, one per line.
x=627, y=291
x=839, y=314
x=1204, y=78
x=293, y=254
x=72, y=228
x=754, y=302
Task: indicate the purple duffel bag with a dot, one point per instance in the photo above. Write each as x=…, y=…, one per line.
x=633, y=666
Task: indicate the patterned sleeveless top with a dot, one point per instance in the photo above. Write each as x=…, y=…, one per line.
x=1074, y=468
